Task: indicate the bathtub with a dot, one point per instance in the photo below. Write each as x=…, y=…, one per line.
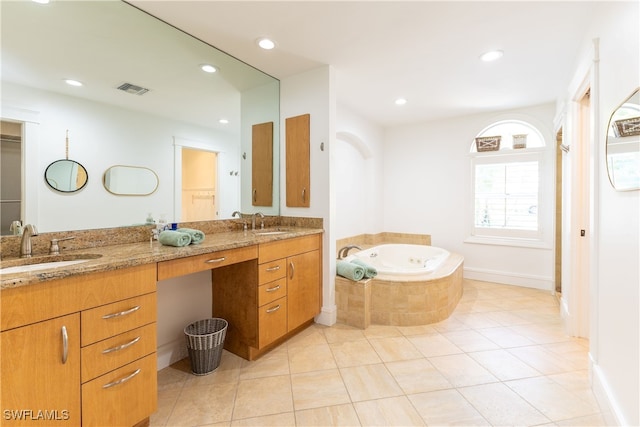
x=416, y=285
x=402, y=259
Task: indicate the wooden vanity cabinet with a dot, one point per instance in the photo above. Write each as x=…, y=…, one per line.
x=269, y=299
x=301, y=256
x=62, y=341
x=40, y=380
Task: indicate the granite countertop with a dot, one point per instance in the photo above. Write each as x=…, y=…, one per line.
x=118, y=256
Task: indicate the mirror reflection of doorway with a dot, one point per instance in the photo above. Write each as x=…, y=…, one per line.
x=11, y=179
x=199, y=185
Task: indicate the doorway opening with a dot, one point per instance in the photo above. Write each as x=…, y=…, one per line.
x=11, y=175
x=199, y=185
x=560, y=147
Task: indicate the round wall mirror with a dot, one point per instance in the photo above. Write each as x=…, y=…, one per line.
x=623, y=145
x=130, y=180
x=66, y=176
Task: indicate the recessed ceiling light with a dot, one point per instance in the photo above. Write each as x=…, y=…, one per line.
x=208, y=68
x=223, y=121
x=401, y=101
x=72, y=82
x=491, y=55
x=41, y=1
x=266, y=44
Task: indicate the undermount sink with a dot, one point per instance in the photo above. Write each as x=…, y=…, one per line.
x=25, y=265
x=271, y=232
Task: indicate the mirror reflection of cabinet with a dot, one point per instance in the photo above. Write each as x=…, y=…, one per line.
x=262, y=164
x=623, y=145
x=298, y=174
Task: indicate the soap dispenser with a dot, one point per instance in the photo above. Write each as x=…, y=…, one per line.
x=149, y=220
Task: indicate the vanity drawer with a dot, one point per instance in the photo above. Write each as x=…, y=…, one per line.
x=283, y=248
x=272, y=321
x=271, y=271
x=193, y=264
x=123, y=397
x=110, y=354
x=112, y=319
x=272, y=291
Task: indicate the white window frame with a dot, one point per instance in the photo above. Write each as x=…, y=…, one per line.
x=540, y=238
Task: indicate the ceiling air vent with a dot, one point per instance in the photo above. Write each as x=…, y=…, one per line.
x=132, y=89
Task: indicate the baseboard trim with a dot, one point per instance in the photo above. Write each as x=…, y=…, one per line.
x=328, y=316
x=610, y=410
x=508, y=278
x=171, y=352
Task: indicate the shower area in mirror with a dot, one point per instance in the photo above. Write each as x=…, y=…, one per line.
x=11, y=173
x=199, y=185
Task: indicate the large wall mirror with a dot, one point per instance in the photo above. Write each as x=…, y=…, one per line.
x=623, y=144
x=143, y=89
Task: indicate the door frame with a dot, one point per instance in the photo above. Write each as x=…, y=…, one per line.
x=178, y=145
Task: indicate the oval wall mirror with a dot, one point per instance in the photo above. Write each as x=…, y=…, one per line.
x=130, y=180
x=623, y=145
x=66, y=176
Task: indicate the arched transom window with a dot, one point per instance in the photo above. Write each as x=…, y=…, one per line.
x=507, y=159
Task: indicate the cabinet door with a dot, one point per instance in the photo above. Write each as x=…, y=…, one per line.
x=303, y=288
x=40, y=371
x=298, y=175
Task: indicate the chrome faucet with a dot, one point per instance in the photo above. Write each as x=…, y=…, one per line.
x=28, y=231
x=344, y=251
x=244, y=223
x=253, y=220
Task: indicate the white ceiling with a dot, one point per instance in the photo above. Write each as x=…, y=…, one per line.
x=425, y=51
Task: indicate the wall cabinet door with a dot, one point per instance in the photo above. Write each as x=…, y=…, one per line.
x=262, y=164
x=298, y=173
x=40, y=371
x=303, y=288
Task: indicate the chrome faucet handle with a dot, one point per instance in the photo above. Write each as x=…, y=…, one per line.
x=54, y=249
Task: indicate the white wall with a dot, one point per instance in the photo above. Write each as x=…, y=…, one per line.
x=313, y=93
x=615, y=294
x=427, y=189
x=357, y=162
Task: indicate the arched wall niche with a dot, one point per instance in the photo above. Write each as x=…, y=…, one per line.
x=356, y=142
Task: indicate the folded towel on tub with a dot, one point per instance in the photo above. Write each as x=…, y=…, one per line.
x=369, y=271
x=197, y=236
x=349, y=270
x=174, y=238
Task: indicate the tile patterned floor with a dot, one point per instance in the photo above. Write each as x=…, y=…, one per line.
x=501, y=359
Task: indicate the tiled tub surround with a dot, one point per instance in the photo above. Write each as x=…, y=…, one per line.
x=131, y=246
x=401, y=301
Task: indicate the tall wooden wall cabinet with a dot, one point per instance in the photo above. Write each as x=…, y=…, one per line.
x=298, y=160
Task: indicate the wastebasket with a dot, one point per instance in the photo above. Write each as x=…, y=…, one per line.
x=205, y=341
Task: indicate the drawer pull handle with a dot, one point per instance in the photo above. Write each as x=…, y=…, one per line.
x=275, y=288
x=212, y=261
x=276, y=268
x=293, y=269
x=121, y=347
x=122, y=380
x=65, y=345
x=121, y=313
x=276, y=308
